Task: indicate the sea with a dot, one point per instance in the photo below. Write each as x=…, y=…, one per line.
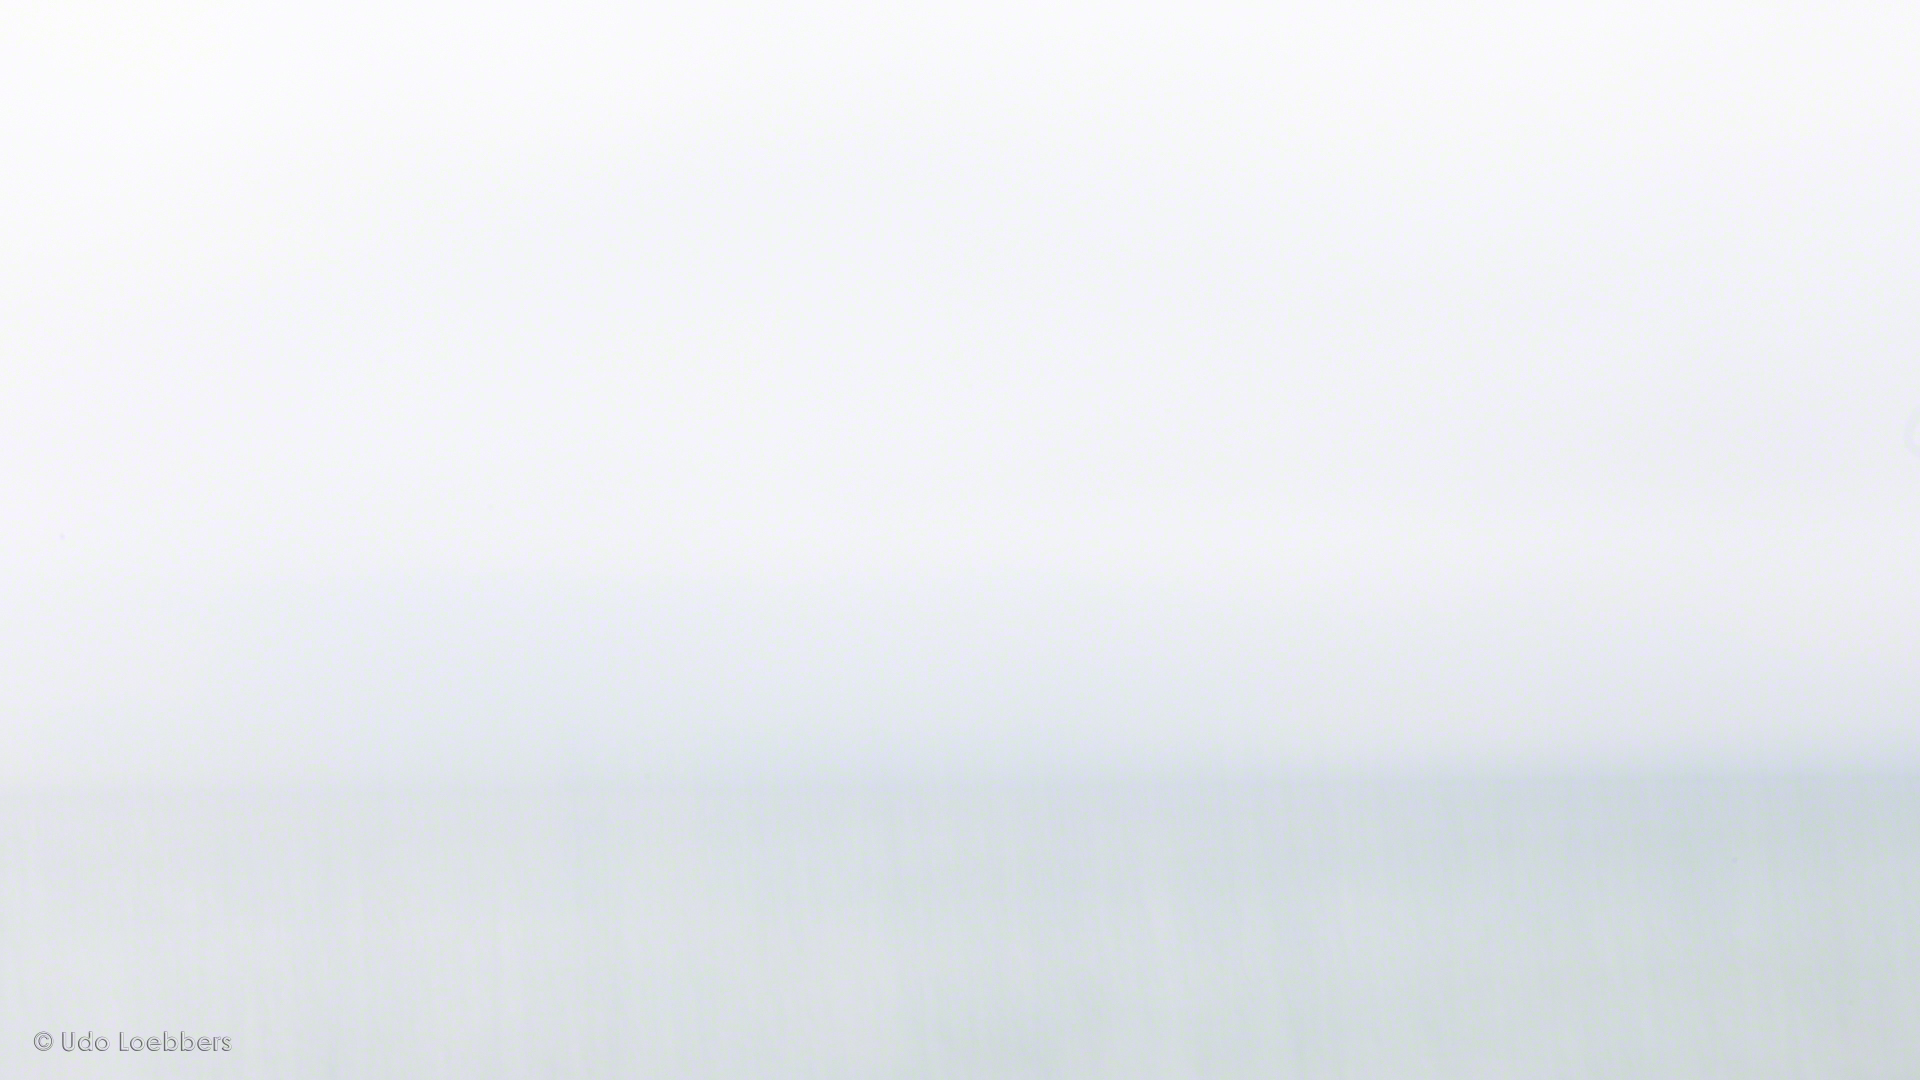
x=1388, y=928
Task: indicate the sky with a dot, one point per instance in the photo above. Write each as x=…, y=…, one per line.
x=511, y=390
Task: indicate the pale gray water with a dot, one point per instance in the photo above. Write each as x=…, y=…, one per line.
x=1626, y=927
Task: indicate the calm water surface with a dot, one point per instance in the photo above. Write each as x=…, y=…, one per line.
x=1626, y=927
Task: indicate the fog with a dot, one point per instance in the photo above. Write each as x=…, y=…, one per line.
x=1038, y=539
x=507, y=390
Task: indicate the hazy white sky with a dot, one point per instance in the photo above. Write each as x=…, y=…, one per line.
x=488, y=387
